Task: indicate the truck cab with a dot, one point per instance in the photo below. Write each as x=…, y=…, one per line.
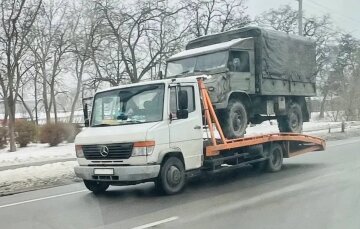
x=134, y=129
x=231, y=65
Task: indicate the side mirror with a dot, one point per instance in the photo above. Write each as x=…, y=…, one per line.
x=160, y=75
x=182, y=114
x=86, y=116
x=183, y=100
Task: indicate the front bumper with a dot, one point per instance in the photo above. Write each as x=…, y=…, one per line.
x=121, y=173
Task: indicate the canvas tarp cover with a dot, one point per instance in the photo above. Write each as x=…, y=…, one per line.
x=278, y=54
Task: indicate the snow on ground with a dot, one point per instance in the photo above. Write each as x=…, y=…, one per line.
x=26, y=178
x=36, y=153
x=308, y=127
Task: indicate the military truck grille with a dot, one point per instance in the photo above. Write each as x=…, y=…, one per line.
x=115, y=151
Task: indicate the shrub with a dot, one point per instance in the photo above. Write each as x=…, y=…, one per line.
x=70, y=131
x=52, y=133
x=3, y=136
x=25, y=132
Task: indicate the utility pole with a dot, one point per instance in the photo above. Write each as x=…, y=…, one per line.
x=300, y=24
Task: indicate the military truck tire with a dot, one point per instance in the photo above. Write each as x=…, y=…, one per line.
x=96, y=187
x=171, y=179
x=293, y=121
x=234, y=120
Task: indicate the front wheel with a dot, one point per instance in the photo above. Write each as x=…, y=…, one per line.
x=171, y=179
x=234, y=120
x=96, y=187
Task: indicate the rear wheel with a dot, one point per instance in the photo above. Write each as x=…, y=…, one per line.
x=96, y=187
x=234, y=120
x=293, y=121
x=171, y=179
x=275, y=158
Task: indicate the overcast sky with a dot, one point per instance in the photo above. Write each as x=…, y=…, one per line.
x=345, y=13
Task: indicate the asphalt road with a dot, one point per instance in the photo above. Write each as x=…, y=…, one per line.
x=316, y=190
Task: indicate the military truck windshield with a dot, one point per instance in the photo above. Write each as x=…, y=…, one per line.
x=197, y=64
x=128, y=105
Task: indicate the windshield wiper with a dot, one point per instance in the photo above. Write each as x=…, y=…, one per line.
x=102, y=124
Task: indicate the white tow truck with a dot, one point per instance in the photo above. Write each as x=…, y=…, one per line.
x=154, y=132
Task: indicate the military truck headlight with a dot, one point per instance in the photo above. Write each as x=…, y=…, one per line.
x=79, y=151
x=211, y=89
x=144, y=148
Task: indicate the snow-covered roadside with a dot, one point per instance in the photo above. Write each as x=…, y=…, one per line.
x=36, y=153
x=35, y=177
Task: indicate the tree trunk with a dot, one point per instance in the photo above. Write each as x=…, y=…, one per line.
x=6, y=115
x=11, y=109
x=28, y=110
x=54, y=104
x=322, y=108
x=45, y=99
x=78, y=89
x=322, y=105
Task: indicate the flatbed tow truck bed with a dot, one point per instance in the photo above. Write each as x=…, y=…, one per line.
x=253, y=150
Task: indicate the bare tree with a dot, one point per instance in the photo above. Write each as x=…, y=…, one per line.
x=50, y=43
x=17, y=18
x=83, y=33
x=211, y=16
x=134, y=28
x=282, y=19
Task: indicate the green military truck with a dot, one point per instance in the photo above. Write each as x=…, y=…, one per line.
x=256, y=75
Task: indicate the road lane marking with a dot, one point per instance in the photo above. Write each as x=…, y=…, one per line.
x=43, y=198
x=157, y=223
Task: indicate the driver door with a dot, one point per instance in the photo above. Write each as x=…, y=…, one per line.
x=186, y=135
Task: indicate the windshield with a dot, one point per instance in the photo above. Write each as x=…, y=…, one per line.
x=197, y=64
x=129, y=105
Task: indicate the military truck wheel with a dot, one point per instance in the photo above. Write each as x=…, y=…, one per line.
x=96, y=187
x=234, y=120
x=293, y=121
x=171, y=179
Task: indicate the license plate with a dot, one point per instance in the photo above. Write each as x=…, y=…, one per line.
x=103, y=171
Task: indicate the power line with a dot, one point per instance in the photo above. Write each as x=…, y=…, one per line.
x=340, y=16
x=334, y=11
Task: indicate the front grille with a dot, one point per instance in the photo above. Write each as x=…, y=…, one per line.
x=116, y=151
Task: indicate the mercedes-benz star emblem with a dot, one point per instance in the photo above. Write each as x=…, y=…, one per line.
x=104, y=151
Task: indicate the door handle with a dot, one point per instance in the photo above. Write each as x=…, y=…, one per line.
x=197, y=127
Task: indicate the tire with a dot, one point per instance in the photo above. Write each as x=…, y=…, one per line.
x=234, y=120
x=293, y=121
x=275, y=158
x=171, y=179
x=96, y=187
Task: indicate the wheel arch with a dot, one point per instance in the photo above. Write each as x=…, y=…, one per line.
x=241, y=96
x=172, y=152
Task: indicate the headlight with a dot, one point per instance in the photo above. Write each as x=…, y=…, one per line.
x=144, y=148
x=79, y=151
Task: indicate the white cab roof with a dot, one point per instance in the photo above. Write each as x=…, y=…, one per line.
x=206, y=49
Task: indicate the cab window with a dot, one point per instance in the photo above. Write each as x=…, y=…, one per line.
x=173, y=99
x=239, y=61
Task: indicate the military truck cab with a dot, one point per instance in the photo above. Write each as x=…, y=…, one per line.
x=257, y=75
